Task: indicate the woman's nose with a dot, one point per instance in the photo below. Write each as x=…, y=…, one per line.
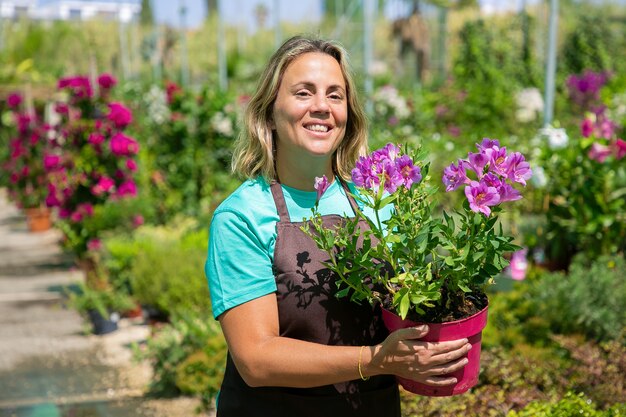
x=320, y=104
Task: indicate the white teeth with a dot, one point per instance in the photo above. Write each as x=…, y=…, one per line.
x=318, y=128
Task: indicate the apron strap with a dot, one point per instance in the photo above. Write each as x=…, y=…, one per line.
x=279, y=200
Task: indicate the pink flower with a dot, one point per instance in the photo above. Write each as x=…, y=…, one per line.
x=50, y=162
x=138, y=220
x=123, y=145
x=94, y=245
x=80, y=86
x=619, y=147
x=519, y=170
x=127, y=188
x=321, y=185
x=104, y=185
x=119, y=115
x=599, y=152
x=587, y=127
x=131, y=165
x=95, y=138
x=14, y=100
x=518, y=265
x=106, y=81
x=481, y=197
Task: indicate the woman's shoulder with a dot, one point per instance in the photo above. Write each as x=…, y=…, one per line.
x=251, y=198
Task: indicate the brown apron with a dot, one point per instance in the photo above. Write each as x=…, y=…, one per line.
x=308, y=310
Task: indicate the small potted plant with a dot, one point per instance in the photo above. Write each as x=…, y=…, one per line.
x=422, y=267
x=101, y=306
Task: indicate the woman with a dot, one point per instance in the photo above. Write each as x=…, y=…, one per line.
x=294, y=348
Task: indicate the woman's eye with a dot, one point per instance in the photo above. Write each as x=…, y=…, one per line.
x=336, y=97
x=303, y=93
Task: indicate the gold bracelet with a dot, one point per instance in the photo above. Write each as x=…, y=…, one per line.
x=364, y=378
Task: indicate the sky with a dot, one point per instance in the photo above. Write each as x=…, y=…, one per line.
x=242, y=11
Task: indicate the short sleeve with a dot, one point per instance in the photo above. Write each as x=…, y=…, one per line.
x=238, y=266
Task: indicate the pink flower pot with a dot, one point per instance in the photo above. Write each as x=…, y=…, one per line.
x=470, y=328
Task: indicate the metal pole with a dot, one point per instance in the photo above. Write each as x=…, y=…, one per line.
x=551, y=64
x=184, y=65
x=368, y=53
x=221, y=50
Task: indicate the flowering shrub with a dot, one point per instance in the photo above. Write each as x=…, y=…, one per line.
x=95, y=163
x=585, y=182
x=29, y=158
x=434, y=268
x=190, y=137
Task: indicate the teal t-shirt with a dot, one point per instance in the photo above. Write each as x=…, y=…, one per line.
x=243, y=233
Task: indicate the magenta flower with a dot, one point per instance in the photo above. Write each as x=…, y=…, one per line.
x=123, y=145
x=104, y=185
x=519, y=264
x=454, y=176
x=519, y=170
x=52, y=199
x=14, y=100
x=131, y=165
x=127, y=188
x=481, y=197
x=599, y=152
x=106, y=81
x=94, y=245
x=392, y=177
x=410, y=173
x=50, y=162
x=492, y=180
x=80, y=86
x=619, y=147
x=119, y=115
x=389, y=151
x=95, y=138
x=586, y=127
x=321, y=185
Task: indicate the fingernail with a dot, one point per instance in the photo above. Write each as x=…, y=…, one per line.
x=469, y=346
x=422, y=328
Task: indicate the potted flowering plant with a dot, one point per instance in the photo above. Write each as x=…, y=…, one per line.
x=420, y=266
x=27, y=164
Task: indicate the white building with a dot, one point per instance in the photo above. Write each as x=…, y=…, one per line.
x=123, y=10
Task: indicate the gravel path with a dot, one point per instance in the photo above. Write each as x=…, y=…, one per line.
x=47, y=360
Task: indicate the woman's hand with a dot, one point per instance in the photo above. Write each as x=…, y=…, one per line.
x=403, y=355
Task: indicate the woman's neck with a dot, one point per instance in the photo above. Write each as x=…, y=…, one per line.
x=301, y=174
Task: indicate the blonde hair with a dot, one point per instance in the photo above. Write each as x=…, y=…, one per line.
x=254, y=149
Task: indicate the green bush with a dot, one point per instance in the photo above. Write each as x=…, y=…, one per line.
x=589, y=300
x=571, y=405
x=187, y=356
x=163, y=266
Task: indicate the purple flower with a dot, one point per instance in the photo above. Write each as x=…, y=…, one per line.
x=454, y=176
x=508, y=193
x=389, y=151
x=14, y=100
x=481, y=197
x=392, y=177
x=119, y=115
x=492, y=180
x=410, y=173
x=364, y=174
x=519, y=170
x=497, y=161
x=477, y=162
x=321, y=185
x=519, y=264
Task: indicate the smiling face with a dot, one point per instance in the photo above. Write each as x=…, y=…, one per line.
x=310, y=114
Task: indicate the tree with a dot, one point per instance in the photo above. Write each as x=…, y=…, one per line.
x=146, y=17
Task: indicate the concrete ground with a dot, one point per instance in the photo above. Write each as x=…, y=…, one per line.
x=48, y=362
